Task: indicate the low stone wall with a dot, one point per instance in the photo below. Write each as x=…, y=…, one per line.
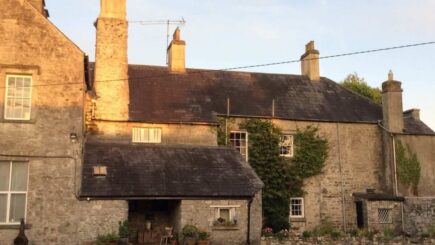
x=347, y=241
x=419, y=215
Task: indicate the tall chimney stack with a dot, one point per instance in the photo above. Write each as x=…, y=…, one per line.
x=310, y=62
x=111, y=62
x=177, y=53
x=392, y=107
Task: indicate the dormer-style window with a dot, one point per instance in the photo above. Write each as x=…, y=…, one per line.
x=18, y=97
x=147, y=135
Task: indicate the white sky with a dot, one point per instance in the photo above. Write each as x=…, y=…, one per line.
x=228, y=33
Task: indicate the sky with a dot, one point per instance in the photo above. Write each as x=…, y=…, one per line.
x=227, y=33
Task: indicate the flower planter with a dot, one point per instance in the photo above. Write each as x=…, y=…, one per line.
x=203, y=242
x=189, y=241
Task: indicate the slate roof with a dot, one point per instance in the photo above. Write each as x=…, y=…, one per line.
x=148, y=170
x=197, y=96
x=413, y=126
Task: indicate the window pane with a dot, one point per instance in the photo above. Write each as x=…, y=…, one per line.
x=224, y=214
x=19, y=92
x=19, y=82
x=17, y=207
x=19, y=176
x=9, y=108
x=3, y=208
x=26, y=92
x=11, y=91
x=11, y=82
x=4, y=176
x=27, y=82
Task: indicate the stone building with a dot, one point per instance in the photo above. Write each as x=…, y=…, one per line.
x=85, y=145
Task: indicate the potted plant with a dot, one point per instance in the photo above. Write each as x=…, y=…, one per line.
x=123, y=232
x=203, y=237
x=107, y=239
x=189, y=234
x=174, y=240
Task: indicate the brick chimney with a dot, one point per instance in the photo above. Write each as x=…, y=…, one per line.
x=40, y=6
x=310, y=62
x=111, y=62
x=392, y=107
x=177, y=53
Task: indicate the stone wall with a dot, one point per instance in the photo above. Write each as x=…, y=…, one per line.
x=419, y=215
x=354, y=164
x=202, y=213
x=424, y=147
x=373, y=221
x=31, y=45
x=54, y=213
x=349, y=241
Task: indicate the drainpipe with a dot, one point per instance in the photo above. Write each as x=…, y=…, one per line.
x=248, y=233
x=343, y=196
x=396, y=188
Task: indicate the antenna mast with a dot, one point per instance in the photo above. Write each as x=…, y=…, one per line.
x=168, y=22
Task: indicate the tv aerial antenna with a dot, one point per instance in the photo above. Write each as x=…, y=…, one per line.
x=168, y=23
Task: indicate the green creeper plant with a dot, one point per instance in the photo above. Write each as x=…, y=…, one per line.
x=408, y=167
x=282, y=177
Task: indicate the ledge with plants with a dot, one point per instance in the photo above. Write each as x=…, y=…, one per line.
x=192, y=235
x=222, y=224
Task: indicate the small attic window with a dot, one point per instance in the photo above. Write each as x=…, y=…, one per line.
x=147, y=135
x=100, y=171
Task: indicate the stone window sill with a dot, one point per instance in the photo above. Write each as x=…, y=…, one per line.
x=297, y=220
x=31, y=121
x=224, y=228
x=15, y=227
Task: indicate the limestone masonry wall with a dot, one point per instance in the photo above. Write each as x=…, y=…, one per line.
x=354, y=164
x=202, y=213
x=31, y=45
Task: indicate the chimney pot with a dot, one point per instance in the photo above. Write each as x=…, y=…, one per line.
x=309, y=46
x=177, y=35
x=390, y=76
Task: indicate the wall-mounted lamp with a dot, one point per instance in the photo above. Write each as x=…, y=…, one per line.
x=73, y=137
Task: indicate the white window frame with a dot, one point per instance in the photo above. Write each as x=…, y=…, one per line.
x=138, y=137
x=291, y=146
x=7, y=97
x=302, y=215
x=245, y=153
x=9, y=194
x=231, y=208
